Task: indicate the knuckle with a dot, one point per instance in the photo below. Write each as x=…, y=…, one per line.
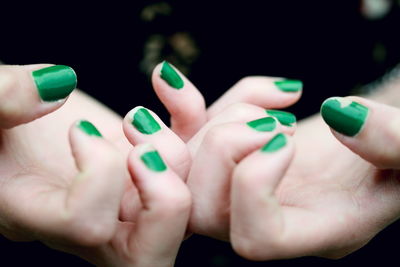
x=252, y=246
x=241, y=179
x=8, y=83
x=183, y=161
x=239, y=108
x=218, y=136
x=254, y=82
x=248, y=81
x=248, y=248
x=174, y=203
x=111, y=159
x=243, y=111
x=89, y=231
x=95, y=233
x=9, y=108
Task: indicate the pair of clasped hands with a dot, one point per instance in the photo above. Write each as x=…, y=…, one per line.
x=126, y=192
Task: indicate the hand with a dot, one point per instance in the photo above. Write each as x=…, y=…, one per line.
x=319, y=206
x=223, y=137
x=84, y=203
x=330, y=202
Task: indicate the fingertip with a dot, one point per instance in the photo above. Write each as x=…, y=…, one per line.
x=141, y=122
x=291, y=91
x=32, y=91
x=151, y=158
x=287, y=119
x=82, y=130
x=169, y=75
x=144, y=160
x=85, y=140
x=152, y=175
x=289, y=85
x=367, y=128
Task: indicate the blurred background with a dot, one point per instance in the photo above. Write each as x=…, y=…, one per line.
x=334, y=47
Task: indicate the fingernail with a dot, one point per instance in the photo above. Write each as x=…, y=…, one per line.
x=343, y=115
x=289, y=85
x=55, y=82
x=285, y=118
x=267, y=124
x=275, y=143
x=153, y=161
x=144, y=122
x=169, y=75
x=88, y=128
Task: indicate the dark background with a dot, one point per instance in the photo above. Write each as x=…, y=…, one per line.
x=330, y=45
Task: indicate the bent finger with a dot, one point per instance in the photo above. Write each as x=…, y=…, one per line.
x=222, y=148
x=256, y=215
x=142, y=125
x=243, y=112
x=96, y=192
x=266, y=92
x=166, y=206
x=183, y=101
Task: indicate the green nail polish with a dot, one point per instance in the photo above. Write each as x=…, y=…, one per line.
x=88, y=128
x=144, y=122
x=55, y=82
x=343, y=115
x=275, y=143
x=285, y=118
x=169, y=75
x=267, y=124
x=289, y=85
x=153, y=161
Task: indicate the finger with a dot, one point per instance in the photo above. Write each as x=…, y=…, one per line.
x=141, y=125
x=222, y=148
x=84, y=210
x=32, y=91
x=161, y=224
x=184, y=102
x=96, y=193
x=370, y=129
x=243, y=113
x=257, y=223
x=266, y=92
x=265, y=227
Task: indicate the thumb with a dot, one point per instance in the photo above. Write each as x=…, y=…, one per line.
x=368, y=128
x=32, y=91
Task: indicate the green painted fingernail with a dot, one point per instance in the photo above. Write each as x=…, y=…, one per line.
x=169, y=75
x=285, y=118
x=343, y=115
x=289, y=85
x=275, y=143
x=153, y=161
x=55, y=82
x=144, y=122
x=267, y=124
x=88, y=128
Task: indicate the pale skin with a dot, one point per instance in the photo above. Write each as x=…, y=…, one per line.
x=318, y=207
x=75, y=202
x=323, y=200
